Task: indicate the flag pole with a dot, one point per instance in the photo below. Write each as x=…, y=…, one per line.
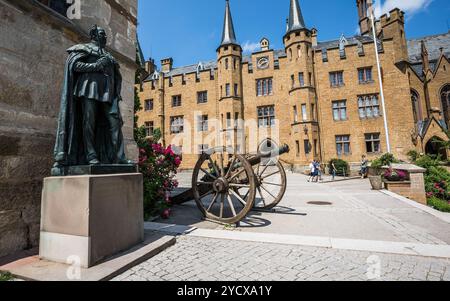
x=380, y=79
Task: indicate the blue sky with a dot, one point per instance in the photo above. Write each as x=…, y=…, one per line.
x=190, y=30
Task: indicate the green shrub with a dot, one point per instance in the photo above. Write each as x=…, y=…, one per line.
x=342, y=167
x=437, y=179
x=413, y=155
x=427, y=161
x=5, y=276
x=385, y=160
x=439, y=204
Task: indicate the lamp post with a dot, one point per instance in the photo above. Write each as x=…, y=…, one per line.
x=372, y=18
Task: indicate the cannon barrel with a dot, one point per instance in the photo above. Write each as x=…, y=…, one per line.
x=268, y=155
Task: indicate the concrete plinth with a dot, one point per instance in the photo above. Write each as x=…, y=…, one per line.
x=86, y=219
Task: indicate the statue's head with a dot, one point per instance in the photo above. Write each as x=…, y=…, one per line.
x=98, y=35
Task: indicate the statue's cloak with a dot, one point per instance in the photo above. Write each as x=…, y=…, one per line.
x=69, y=146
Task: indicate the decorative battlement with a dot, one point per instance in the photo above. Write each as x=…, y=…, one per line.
x=301, y=35
x=394, y=15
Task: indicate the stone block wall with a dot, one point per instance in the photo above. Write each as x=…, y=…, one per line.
x=33, y=43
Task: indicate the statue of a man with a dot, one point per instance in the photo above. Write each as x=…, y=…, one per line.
x=90, y=122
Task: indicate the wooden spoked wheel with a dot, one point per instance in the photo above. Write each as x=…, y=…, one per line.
x=271, y=183
x=217, y=178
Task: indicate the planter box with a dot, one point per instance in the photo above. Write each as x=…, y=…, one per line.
x=408, y=190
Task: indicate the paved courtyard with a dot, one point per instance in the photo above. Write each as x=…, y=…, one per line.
x=373, y=236
x=204, y=259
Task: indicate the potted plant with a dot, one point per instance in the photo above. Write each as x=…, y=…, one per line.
x=376, y=170
x=376, y=182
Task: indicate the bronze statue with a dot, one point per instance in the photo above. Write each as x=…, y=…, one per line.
x=90, y=122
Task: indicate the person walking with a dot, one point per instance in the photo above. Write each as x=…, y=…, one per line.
x=319, y=171
x=312, y=170
x=333, y=170
x=364, y=167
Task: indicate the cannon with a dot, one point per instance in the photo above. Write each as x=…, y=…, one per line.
x=226, y=186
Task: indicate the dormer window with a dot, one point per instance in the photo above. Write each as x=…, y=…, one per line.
x=324, y=55
x=360, y=49
x=200, y=68
x=155, y=76
x=342, y=43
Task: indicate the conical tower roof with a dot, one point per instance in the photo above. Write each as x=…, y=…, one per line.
x=228, y=35
x=296, y=20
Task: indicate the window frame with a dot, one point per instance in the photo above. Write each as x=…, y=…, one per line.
x=180, y=125
x=202, y=97
x=342, y=142
x=364, y=71
x=51, y=6
x=268, y=119
x=264, y=86
x=227, y=90
x=148, y=105
x=202, y=148
x=362, y=99
x=304, y=111
x=176, y=101
x=336, y=81
x=370, y=138
x=149, y=125
x=307, y=146
x=339, y=108
x=301, y=79
x=203, y=124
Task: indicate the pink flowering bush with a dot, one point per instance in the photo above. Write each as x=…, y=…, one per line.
x=395, y=175
x=159, y=166
x=439, y=190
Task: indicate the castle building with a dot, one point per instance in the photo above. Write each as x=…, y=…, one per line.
x=322, y=98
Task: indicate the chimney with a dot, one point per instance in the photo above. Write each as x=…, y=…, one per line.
x=166, y=64
x=150, y=66
x=314, y=37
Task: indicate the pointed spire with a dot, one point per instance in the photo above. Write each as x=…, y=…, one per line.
x=228, y=35
x=296, y=20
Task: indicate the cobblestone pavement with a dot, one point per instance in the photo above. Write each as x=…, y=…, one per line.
x=203, y=259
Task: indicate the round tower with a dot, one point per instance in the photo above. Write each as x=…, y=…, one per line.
x=298, y=43
x=229, y=82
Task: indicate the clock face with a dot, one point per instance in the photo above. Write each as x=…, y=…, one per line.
x=263, y=63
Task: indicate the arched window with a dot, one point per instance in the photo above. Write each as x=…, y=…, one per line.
x=290, y=54
x=299, y=51
x=445, y=100
x=226, y=64
x=416, y=107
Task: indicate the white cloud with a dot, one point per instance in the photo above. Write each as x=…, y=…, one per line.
x=410, y=7
x=250, y=47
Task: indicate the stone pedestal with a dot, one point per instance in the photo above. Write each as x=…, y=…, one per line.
x=86, y=219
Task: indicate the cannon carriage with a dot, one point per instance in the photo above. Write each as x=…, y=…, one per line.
x=226, y=186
